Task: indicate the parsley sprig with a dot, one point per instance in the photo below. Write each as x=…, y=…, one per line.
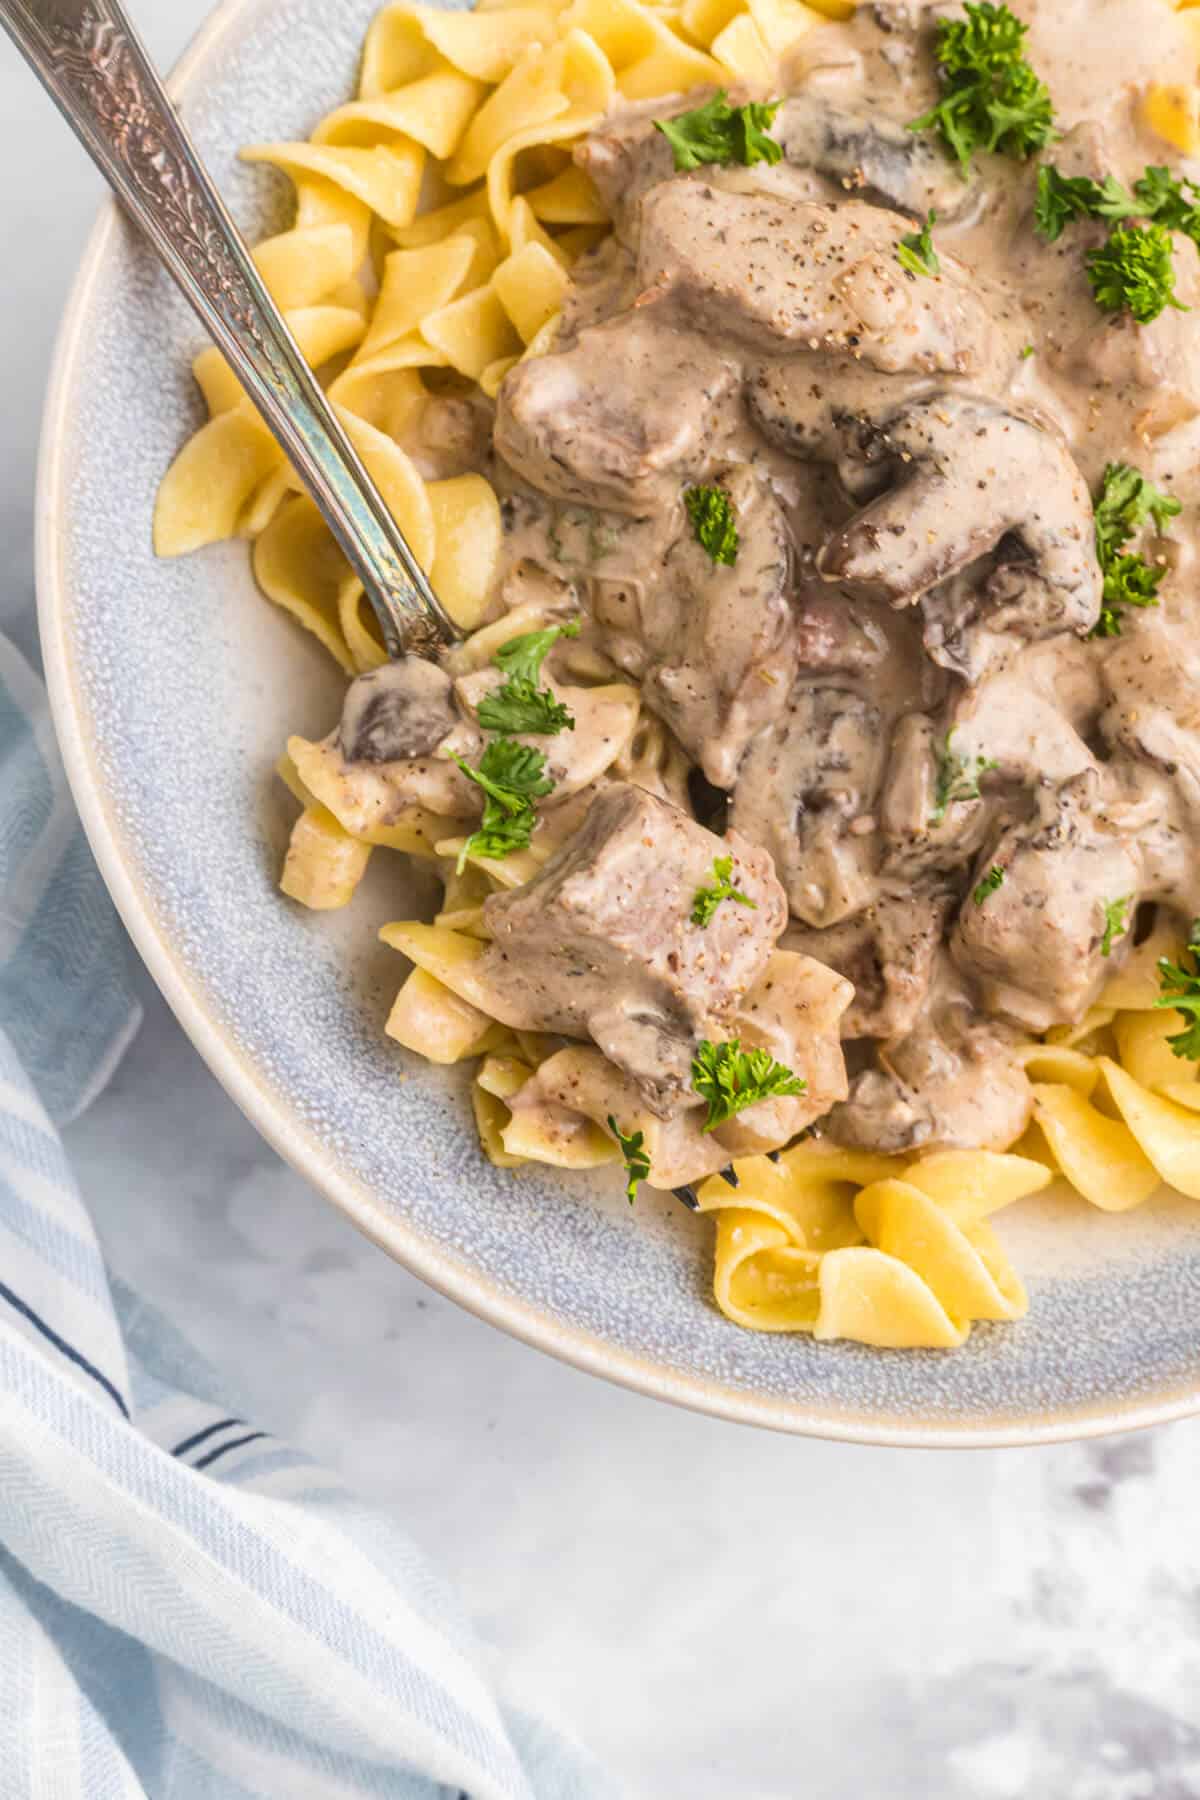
x=1134, y=272
x=521, y=705
x=1116, y=922
x=731, y=1079
x=637, y=1163
x=1171, y=200
x=707, y=899
x=992, y=881
x=1061, y=198
x=1180, y=983
x=957, y=778
x=720, y=133
x=992, y=98
x=915, y=252
x=714, y=522
x=1127, y=502
x=512, y=777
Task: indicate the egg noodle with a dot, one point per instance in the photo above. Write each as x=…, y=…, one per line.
x=482, y=109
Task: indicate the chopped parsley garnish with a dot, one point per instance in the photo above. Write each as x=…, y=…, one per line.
x=637, y=1163
x=521, y=658
x=731, y=1079
x=1134, y=272
x=720, y=133
x=915, y=252
x=1181, y=990
x=1127, y=502
x=957, y=778
x=987, y=887
x=521, y=705
x=992, y=99
x=714, y=522
x=708, y=899
x=512, y=777
x=1061, y=198
x=1116, y=922
x=1170, y=200
x=1028, y=351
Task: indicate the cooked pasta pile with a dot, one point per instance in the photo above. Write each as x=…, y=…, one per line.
x=393, y=303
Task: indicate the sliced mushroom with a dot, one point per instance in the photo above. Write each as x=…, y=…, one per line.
x=876, y=157
x=969, y=479
x=887, y=952
x=401, y=710
x=804, y=788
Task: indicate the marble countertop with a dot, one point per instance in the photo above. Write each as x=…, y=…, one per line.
x=720, y=1613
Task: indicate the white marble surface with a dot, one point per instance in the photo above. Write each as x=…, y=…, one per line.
x=721, y=1614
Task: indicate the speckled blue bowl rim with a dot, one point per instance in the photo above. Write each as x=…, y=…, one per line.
x=920, y=1409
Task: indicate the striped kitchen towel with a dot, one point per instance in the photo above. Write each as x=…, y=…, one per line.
x=188, y=1608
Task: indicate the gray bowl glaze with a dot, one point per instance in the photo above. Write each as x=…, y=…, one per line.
x=174, y=688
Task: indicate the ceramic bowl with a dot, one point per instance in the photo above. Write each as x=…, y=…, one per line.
x=174, y=689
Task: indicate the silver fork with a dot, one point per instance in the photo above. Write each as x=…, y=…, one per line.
x=89, y=58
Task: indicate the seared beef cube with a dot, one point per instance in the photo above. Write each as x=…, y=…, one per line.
x=602, y=944
x=619, y=417
x=1037, y=946
x=779, y=274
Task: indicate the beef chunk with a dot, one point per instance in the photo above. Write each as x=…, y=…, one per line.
x=602, y=944
x=949, y=1084
x=720, y=640
x=777, y=273
x=1035, y=945
x=619, y=417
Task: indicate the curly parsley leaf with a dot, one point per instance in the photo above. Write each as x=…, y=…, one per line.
x=720, y=133
x=992, y=98
x=1126, y=504
x=730, y=1079
x=707, y=899
x=714, y=522
x=1170, y=200
x=637, y=1163
x=1061, y=198
x=512, y=777
x=521, y=705
x=1116, y=922
x=522, y=657
x=1181, y=991
x=957, y=778
x=915, y=252
x=1134, y=272
x=993, y=880
x=1128, y=500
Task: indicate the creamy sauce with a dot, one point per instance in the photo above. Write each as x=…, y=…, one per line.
x=916, y=570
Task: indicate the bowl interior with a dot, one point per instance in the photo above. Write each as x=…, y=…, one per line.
x=175, y=687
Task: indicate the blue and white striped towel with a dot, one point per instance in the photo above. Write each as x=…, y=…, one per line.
x=188, y=1608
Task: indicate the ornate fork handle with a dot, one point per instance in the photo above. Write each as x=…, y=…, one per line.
x=89, y=58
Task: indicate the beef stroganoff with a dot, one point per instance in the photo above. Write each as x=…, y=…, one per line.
x=798, y=409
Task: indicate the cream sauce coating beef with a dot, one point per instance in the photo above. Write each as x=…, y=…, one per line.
x=601, y=944
x=894, y=689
